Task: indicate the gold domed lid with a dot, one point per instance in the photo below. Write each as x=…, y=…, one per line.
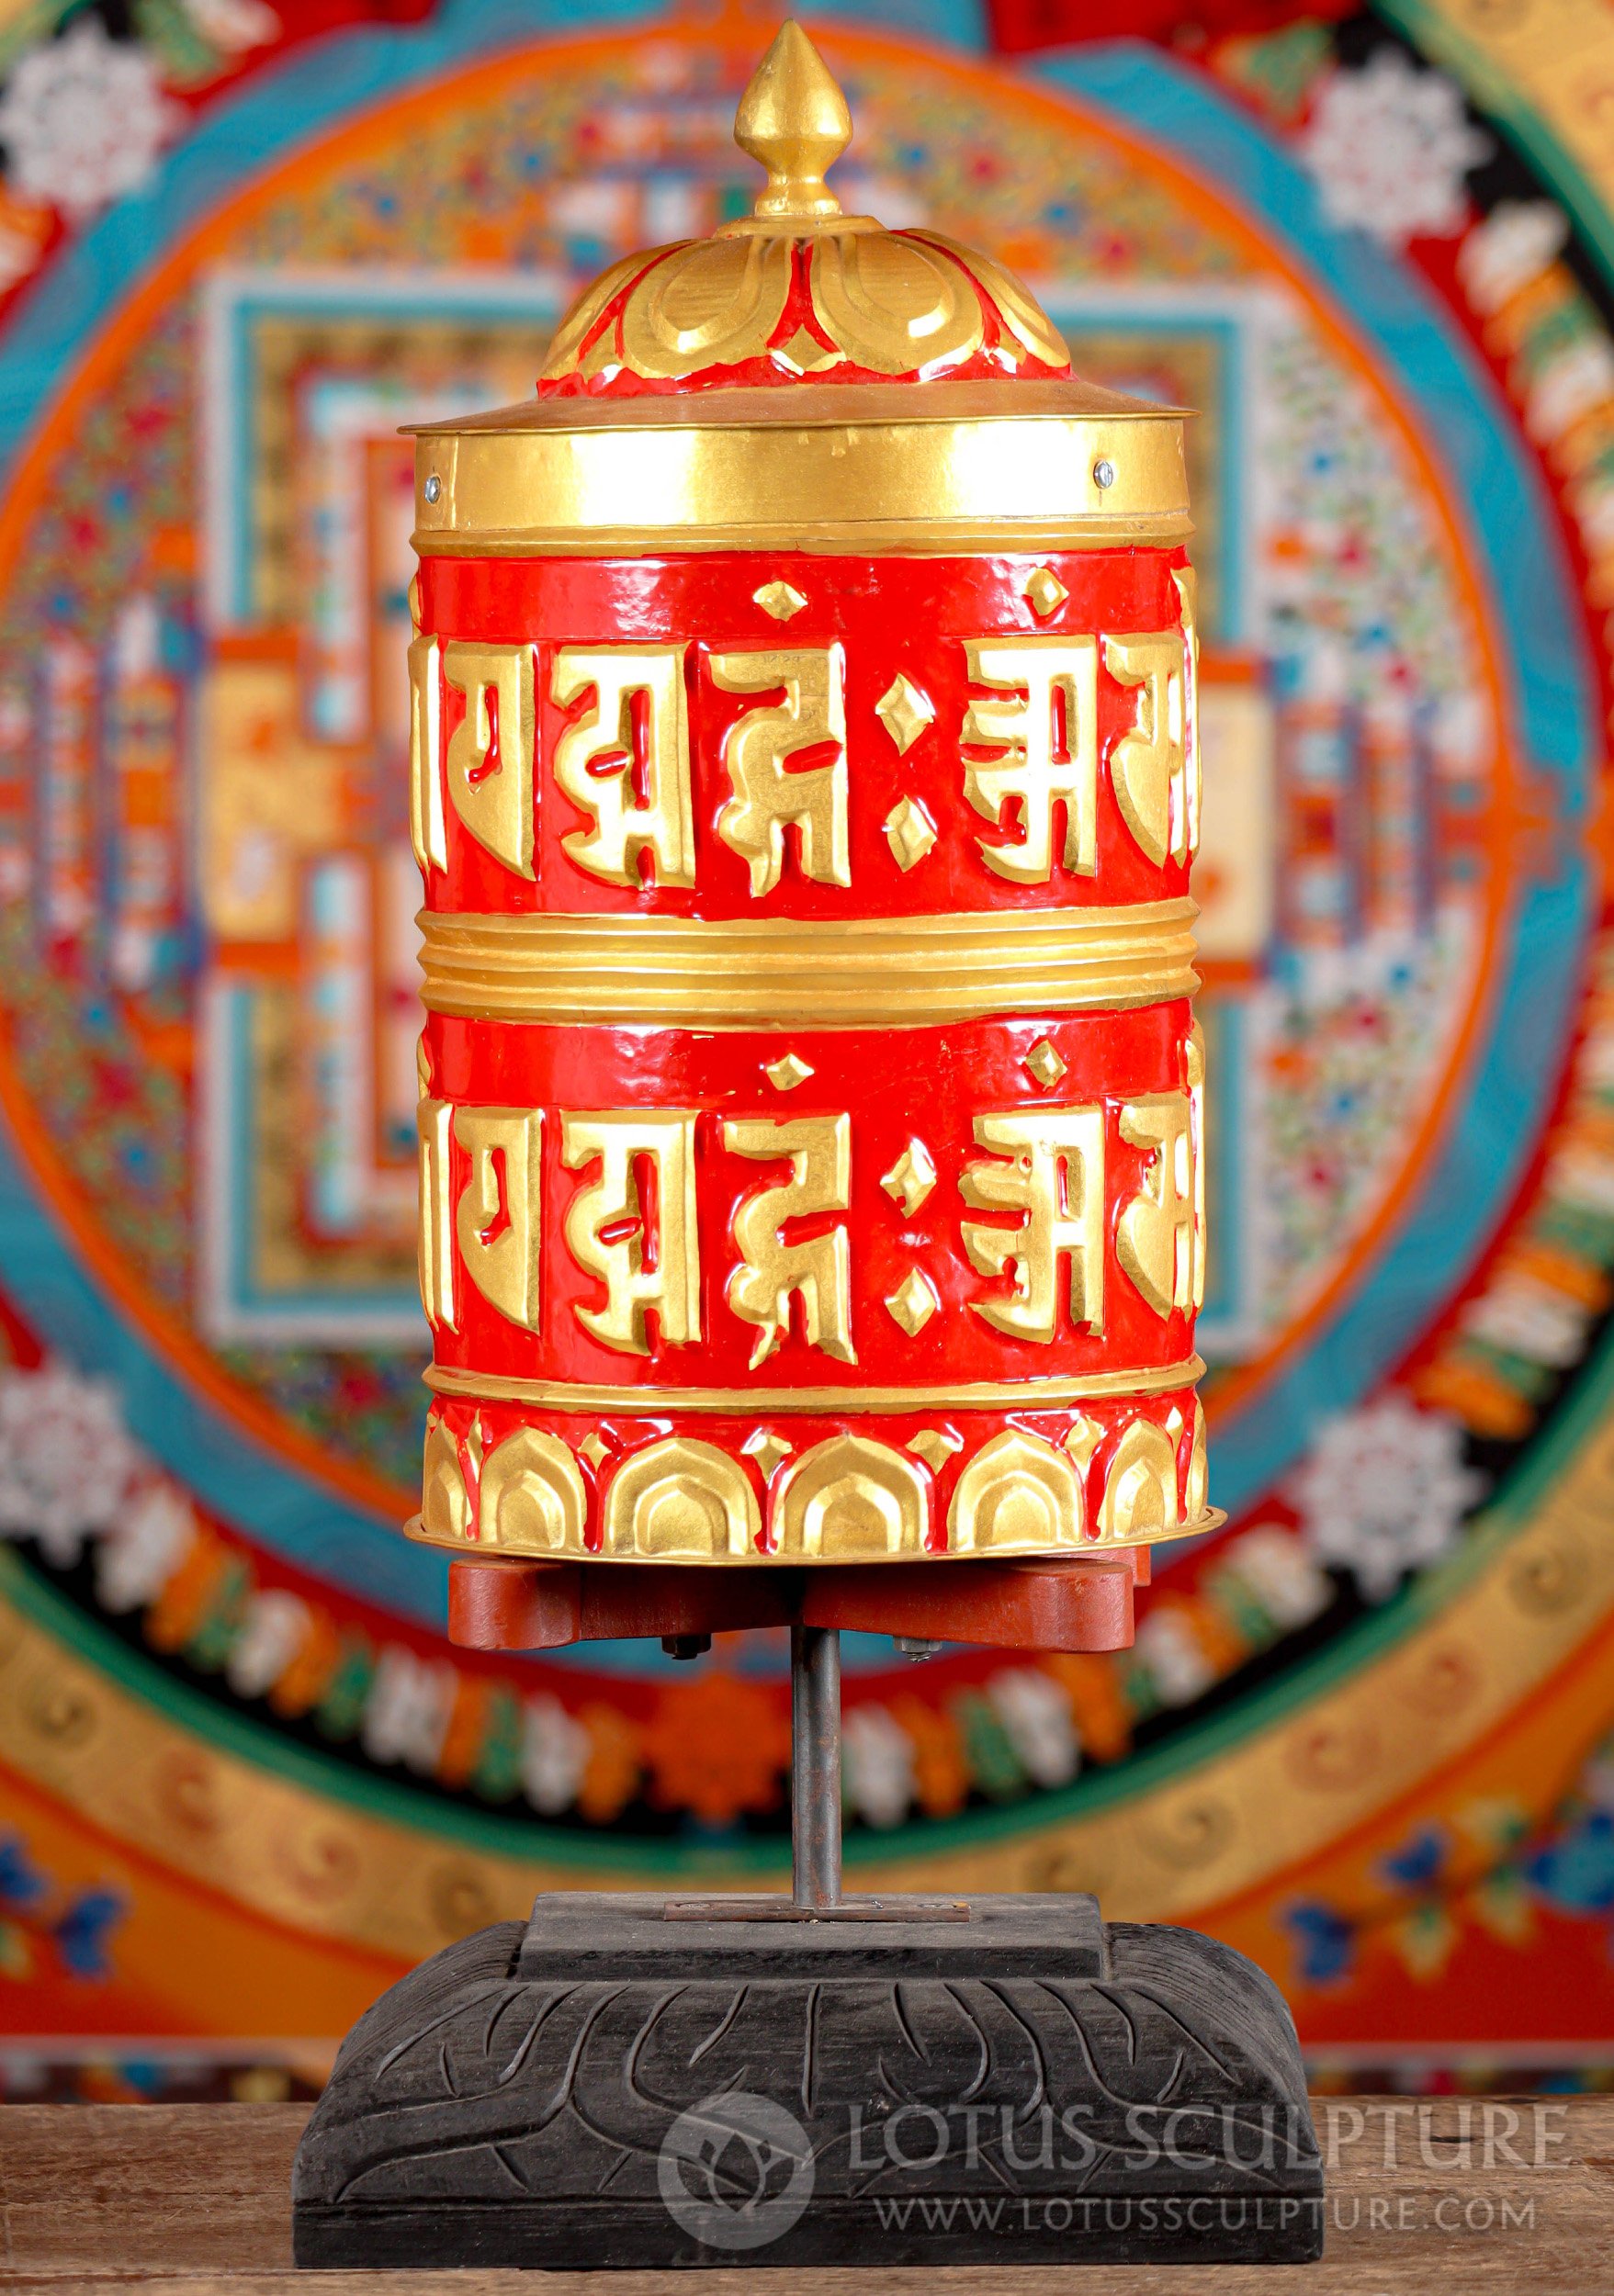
x=797, y=290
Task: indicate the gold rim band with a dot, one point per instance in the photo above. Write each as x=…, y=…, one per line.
x=854, y=469
x=566, y=1395
x=873, y=973
x=1090, y=1549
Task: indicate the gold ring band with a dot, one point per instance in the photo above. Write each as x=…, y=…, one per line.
x=567, y=1395
x=876, y=972
x=855, y=468
x=792, y=1559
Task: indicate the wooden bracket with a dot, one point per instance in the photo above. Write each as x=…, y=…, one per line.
x=1056, y=1602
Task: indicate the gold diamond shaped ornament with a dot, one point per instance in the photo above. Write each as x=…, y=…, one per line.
x=909, y=832
x=769, y=1450
x=779, y=598
x=1045, y=591
x=905, y=710
x=786, y=1073
x=913, y=1302
x=935, y=1445
x=911, y=1177
x=805, y=354
x=1044, y=1064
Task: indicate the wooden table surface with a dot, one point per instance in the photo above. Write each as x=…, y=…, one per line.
x=196, y=2198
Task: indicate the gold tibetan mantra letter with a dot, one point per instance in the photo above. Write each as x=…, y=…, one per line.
x=767, y=798
x=496, y=1219
x=490, y=762
x=818, y=1271
x=647, y=1255
x=1156, y=1238
x=1150, y=765
x=1055, y=1180
x=1045, y=730
x=626, y=761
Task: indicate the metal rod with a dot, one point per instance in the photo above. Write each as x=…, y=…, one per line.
x=815, y=1766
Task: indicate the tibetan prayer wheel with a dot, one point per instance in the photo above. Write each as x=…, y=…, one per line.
x=806, y=784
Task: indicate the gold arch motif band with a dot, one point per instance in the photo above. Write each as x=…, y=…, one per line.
x=878, y=973
x=1048, y=1394
x=849, y=1497
x=848, y=467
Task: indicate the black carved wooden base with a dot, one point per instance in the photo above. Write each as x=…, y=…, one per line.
x=602, y=2087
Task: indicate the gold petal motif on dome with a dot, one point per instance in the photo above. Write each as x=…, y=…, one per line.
x=805, y=354
x=1019, y=310
x=893, y=305
x=590, y=307
x=887, y=303
x=711, y=304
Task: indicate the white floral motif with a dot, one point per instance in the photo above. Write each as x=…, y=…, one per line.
x=142, y=1549
x=1384, y=1491
x=277, y=1625
x=1512, y=247
x=554, y=1755
x=1283, y=1578
x=407, y=1714
x=1036, y=1713
x=1173, y=1656
x=879, y=1765
x=83, y=120
x=1388, y=147
x=66, y=1464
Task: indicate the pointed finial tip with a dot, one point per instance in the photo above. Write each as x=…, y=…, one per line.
x=794, y=119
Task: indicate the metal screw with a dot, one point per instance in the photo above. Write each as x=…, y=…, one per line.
x=915, y=1647
x=1104, y=472
x=433, y=487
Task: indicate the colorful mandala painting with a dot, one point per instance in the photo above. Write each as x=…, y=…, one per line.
x=1367, y=1732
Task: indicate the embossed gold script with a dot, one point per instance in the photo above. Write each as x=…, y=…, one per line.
x=491, y=750
x=768, y=799
x=1157, y=1240
x=1042, y=723
x=1150, y=765
x=626, y=761
x=1053, y=1176
x=635, y=1225
x=818, y=1272
x=648, y=1255
x=496, y=1219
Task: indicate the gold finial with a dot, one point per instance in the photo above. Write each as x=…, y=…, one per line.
x=794, y=119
